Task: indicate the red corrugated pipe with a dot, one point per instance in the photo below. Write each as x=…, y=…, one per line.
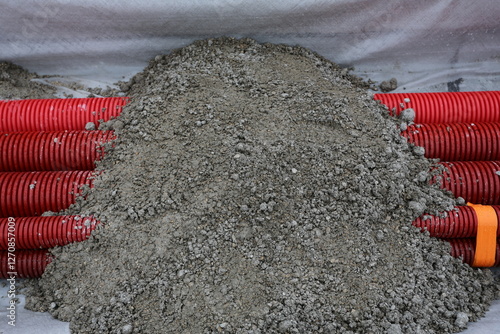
x=456, y=107
x=460, y=223
x=57, y=114
x=51, y=151
x=457, y=141
x=26, y=194
x=465, y=248
x=46, y=232
x=476, y=181
x=28, y=263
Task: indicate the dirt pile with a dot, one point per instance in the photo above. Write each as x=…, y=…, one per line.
x=256, y=189
x=16, y=83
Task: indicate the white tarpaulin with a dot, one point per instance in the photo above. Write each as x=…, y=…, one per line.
x=427, y=45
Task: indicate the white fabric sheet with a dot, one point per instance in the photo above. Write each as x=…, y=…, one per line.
x=424, y=44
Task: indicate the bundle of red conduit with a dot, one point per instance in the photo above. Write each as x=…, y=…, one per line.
x=46, y=156
x=462, y=129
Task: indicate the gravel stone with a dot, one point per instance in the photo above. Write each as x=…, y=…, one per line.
x=90, y=126
x=387, y=86
x=394, y=329
x=17, y=83
x=407, y=115
x=462, y=320
x=419, y=150
x=127, y=329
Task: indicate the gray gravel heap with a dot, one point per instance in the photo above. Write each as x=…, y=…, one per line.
x=16, y=83
x=259, y=189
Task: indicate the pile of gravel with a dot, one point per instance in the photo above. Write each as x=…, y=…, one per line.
x=16, y=83
x=258, y=189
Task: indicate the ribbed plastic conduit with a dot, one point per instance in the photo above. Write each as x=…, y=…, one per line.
x=460, y=223
x=51, y=151
x=457, y=141
x=26, y=194
x=466, y=249
x=477, y=182
x=57, y=114
x=29, y=263
x=455, y=107
x=47, y=232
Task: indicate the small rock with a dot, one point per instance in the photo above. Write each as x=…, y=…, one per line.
x=462, y=319
x=127, y=329
x=407, y=115
x=460, y=201
x=387, y=86
x=117, y=125
x=419, y=150
x=416, y=206
x=394, y=329
x=422, y=176
x=285, y=326
x=90, y=126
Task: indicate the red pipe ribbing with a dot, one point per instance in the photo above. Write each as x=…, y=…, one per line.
x=455, y=107
x=466, y=249
x=25, y=194
x=477, y=182
x=47, y=232
x=51, y=151
x=460, y=223
x=457, y=141
x=57, y=114
x=29, y=263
